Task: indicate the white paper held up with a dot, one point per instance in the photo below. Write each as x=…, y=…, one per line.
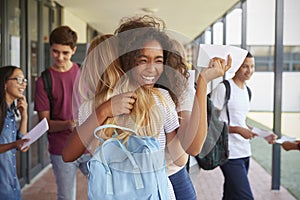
x=36, y=132
x=209, y=51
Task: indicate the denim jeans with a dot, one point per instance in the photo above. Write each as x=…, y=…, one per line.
x=182, y=185
x=66, y=173
x=236, y=185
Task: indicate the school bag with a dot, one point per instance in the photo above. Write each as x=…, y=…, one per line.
x=46, y=76
x=133, y=170
x=215, y=148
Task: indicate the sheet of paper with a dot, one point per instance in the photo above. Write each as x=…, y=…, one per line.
x=209, y=51
x=36, y=132
x=261, y=133
x=285, y=139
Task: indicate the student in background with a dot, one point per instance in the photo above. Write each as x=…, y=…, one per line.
x=12, y=86
x=235, y=171
x=63, y=75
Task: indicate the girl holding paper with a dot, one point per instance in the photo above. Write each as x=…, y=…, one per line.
x=12, y=87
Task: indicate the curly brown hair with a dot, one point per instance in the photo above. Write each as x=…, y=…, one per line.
x=134, y=32
x=130, y=23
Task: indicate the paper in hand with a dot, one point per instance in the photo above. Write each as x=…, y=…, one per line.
x=35, y=133
x=209, y=51
x=285, y=139
x=261, y=133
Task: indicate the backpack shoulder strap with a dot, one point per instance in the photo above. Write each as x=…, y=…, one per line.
x=228, y=90
x=227, y=97
x=46, y=76
x=249, y=93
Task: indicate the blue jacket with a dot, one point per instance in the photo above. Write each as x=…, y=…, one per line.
x=9, y=182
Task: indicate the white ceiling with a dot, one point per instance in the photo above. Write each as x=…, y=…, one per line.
x=188, y=18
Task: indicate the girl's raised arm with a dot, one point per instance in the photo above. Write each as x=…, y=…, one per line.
x=193, y=127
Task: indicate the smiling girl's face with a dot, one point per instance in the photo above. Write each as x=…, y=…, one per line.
x=14, y=90
x=149, y=64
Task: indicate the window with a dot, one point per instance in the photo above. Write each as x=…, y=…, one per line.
x=14, y=36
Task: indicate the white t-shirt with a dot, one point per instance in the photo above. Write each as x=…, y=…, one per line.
x=170, y=118
x=238, y=106
x=85, y=110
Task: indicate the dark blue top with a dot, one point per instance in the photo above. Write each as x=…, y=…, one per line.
x=9, y=182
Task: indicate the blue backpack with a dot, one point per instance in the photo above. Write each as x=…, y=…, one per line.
x=134, y=170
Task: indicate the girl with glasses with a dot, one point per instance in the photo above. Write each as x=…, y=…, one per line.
x=12, y=87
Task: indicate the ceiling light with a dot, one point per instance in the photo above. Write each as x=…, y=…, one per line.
x=149, y=10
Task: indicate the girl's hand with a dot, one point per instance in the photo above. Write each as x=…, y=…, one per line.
x=25, y=149
x=19, y=143
x=216, y=68
x=118, y=104
x=22, y=106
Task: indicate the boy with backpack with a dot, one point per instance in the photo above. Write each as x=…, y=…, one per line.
x=236, y=184
x=56, y=106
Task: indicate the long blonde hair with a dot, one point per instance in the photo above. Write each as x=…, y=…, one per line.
x=101, y=68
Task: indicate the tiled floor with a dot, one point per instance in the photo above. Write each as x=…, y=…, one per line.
x=43, y=187
x=208, y=185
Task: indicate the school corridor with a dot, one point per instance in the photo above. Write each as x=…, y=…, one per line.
x=208, y=185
